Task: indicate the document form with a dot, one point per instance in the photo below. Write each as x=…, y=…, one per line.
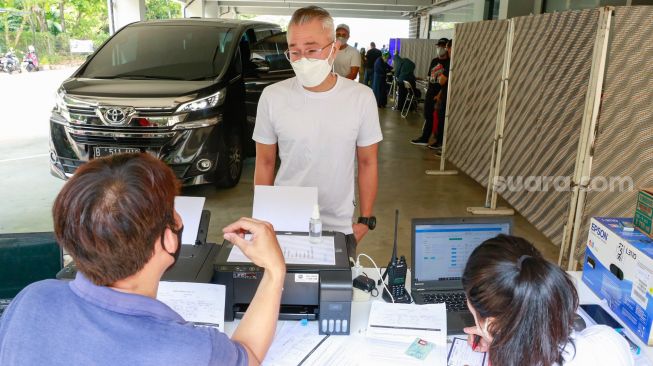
x=461, y=354
x=199, y=303
x=296, y=250
x=293, y=342
x=392, y=328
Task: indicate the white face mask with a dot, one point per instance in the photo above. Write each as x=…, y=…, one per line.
x=312, y=72
x=441, y=52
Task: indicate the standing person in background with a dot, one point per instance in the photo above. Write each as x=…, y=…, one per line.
x=434, y=71
x=370, y=59
x=362, y=70
x=524, y=308
x=348, y=60
x=441, y=98
x=379, y=84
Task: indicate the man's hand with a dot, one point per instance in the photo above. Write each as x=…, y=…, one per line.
x=263, y=249
x=359, y=231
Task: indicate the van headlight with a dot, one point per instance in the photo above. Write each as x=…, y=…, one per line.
x=203, y=103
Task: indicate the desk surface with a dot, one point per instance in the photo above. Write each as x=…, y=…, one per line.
x=360, y=311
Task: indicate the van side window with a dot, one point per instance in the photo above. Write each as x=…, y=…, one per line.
x=270, y=52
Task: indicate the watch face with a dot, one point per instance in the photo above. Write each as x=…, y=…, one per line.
x=372, y=223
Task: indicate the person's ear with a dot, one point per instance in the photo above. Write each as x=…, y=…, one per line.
x=170, y=241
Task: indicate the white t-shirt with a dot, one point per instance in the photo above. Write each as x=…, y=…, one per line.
x=345, y=60
x=598, y=345
x=317, y=135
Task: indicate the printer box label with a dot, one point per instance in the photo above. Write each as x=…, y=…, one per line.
x=307, y=277
x=618, y=267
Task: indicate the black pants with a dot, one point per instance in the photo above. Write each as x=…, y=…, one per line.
x=429, y=106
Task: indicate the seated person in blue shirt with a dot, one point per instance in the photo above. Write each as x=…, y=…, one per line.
x=116, y=217
x=524, y=308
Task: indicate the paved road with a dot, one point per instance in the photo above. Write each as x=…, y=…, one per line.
x=26, y=187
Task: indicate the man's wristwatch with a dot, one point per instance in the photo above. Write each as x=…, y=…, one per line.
x=369, y=221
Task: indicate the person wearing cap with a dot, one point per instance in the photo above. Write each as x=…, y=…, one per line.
x=437, y=67
x=348, y=60
x=324, y=127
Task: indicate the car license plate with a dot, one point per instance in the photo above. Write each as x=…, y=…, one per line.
x=100, y=151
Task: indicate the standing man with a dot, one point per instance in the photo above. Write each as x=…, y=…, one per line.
x=322, y=124
x=436, y=68
x=370, y=58
x=441, y=97
x=348, y=60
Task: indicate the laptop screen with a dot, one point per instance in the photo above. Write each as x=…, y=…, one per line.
x=441, y=250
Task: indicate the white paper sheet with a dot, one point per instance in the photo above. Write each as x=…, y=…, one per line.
x=292, y=343
x=286, y=208
x=190, y=210
x=338, y=350
x=461, y=354
x=200, y=303
x=297, y=250
x=405, y=322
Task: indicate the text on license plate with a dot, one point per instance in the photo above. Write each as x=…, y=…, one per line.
x=100, y=151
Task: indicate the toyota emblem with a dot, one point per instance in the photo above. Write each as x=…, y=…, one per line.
x=115, y=115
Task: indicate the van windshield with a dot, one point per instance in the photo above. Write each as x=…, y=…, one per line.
x=162, y=51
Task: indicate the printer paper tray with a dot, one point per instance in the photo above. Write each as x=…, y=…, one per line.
x=287, y=312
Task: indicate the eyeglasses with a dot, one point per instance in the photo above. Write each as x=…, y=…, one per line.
x=312, y=53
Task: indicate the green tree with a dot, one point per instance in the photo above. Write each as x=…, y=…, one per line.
x=162, y=9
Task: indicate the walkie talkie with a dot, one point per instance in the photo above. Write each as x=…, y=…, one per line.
x=396, y=272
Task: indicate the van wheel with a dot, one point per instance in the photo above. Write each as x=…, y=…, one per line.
x=230, y=161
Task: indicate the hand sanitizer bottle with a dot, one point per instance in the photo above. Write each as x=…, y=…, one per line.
x=315, y=226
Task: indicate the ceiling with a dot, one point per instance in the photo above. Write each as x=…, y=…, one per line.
x=377, y=9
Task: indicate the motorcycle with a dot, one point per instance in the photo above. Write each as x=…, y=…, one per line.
x=10, y=63
x=30, y=61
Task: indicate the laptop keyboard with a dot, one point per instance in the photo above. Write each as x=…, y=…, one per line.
x=3, y=305
x=455, y=301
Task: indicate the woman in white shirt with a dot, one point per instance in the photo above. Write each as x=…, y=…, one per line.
x=524, y=308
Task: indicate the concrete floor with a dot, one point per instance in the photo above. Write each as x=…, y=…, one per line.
x=402, y=185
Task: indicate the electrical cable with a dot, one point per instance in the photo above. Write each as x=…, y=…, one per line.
x=358, y=265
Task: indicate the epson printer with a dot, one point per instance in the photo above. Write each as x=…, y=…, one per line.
x=311, y=291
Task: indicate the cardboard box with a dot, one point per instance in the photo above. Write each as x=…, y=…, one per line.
x=618, y=268
x=644, y=211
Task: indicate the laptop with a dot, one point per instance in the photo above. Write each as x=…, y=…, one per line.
x=26, y=258
x=440, y=249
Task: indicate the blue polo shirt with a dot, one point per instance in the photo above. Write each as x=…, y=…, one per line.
x=78, y=323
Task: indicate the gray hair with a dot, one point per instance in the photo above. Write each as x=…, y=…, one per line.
x=308, y=14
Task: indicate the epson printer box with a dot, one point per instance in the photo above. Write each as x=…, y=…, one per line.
x=618, y=267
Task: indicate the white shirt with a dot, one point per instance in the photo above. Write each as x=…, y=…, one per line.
x=345, y=60
x=317, y=135
x=598, y=345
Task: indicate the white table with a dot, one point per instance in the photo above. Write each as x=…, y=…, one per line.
x=360, y=311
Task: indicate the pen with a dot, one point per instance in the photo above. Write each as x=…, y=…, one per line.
x=477, y=339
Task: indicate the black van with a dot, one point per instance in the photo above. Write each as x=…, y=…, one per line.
x=182, y=90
